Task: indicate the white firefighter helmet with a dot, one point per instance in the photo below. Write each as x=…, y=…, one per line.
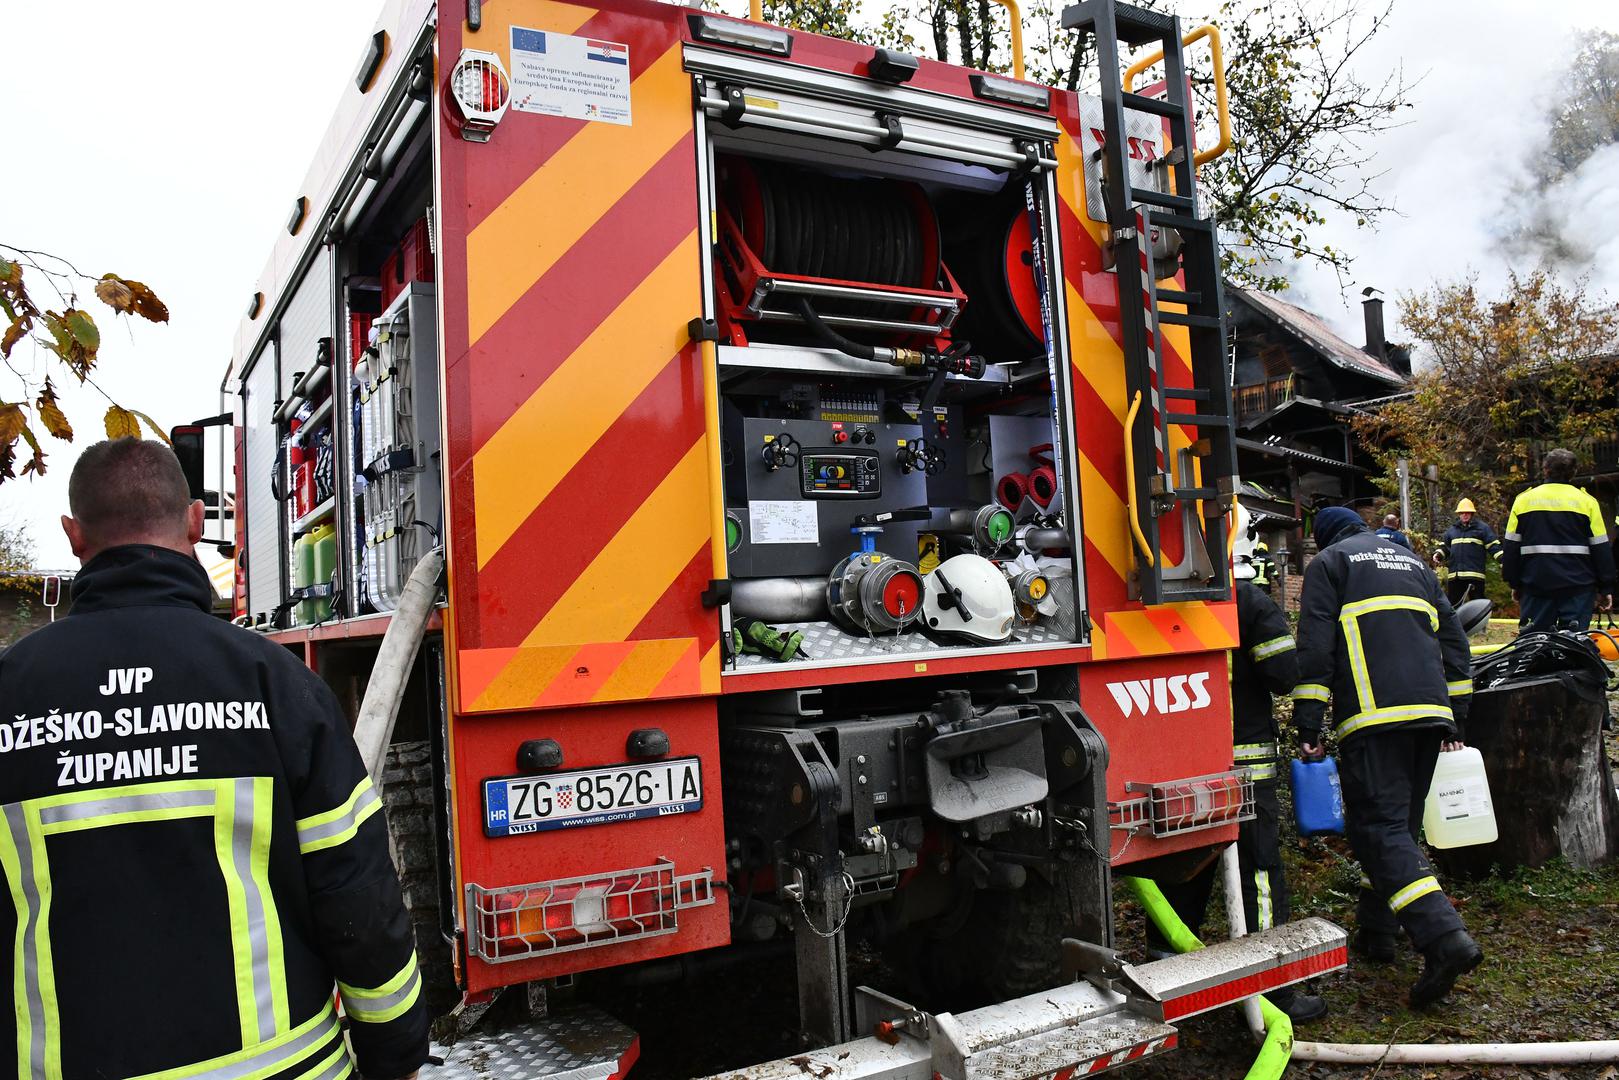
x=1242, y=545
x=969, y=596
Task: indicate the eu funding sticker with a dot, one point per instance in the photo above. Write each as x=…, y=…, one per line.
x=563, y=75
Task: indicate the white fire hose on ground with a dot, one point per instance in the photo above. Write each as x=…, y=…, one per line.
x=374, y=729
x=1557, y=1053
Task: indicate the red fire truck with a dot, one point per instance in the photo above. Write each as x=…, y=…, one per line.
x=829, y=454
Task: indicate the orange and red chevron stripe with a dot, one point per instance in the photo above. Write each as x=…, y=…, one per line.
x=578, y=488
x=1121, y=627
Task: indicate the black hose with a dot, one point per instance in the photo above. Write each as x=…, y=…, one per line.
x=831, y=337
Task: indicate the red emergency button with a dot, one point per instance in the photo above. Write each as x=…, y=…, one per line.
x=840, y=436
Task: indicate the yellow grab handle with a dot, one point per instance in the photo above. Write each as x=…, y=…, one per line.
x=1015, y=13
x=756, y=10
x=1130, y=480
x=1222, y=105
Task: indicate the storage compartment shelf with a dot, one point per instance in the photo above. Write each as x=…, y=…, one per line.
x=322, y=412
x=792, y=359
x=313, y=518
x=826, y=642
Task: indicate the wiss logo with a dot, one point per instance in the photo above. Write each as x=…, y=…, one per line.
x=1174, y=694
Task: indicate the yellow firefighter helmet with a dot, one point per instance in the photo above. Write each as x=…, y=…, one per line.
x=1465, y=507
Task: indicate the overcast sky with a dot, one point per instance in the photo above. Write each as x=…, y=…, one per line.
x=169, y=141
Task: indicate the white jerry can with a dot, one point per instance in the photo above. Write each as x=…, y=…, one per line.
x=1459, y=812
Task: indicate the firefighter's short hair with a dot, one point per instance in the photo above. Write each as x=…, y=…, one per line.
x=127, y=489
x=1560, y=465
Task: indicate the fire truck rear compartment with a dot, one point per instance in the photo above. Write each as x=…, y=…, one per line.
x=888, y=396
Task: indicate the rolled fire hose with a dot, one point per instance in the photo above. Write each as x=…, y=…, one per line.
x=1274, y=1054
x=378, y=712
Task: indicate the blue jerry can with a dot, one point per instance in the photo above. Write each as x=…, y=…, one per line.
x=1318, y=797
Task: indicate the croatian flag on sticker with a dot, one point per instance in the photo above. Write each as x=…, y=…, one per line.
x=608, y=52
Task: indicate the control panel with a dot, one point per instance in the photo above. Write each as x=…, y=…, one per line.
x=835, y=474
x=795, y=488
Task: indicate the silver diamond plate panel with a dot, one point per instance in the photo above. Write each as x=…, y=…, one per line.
x=582, y=1044
x=1138, y=125
x=825, y=641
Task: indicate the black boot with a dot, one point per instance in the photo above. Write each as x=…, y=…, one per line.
x=1445, y=961
x=1300, y=1006
x=1375, y=946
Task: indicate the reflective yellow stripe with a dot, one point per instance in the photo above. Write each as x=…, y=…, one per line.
x=1275, y=646
x=1468, y=574
x=378, y=1005
x=22, y=854
x=242, y=814
x=336, y=1064
x=1417, y=889
x=1262, y=894
x=1357, y=661
x=1365, y=882
x=1310, y=692
x=1391, y=715
x=1466, y=540
x=1460, y=687
x=1252, y=751
x=259, y=869
x=339, y=824
x=1262, y=771
x=1558, y=498
x=266, y=1058
x=1394, y=602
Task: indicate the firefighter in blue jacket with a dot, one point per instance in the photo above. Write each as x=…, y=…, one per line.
x=1464, y=549
x=193, y=851
x=1379, y=641
x=1557, y=557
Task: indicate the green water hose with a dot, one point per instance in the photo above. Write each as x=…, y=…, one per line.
x=1277, y=1049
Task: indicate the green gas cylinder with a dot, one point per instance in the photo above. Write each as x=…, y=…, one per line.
x=325, y=546
x=303, y=574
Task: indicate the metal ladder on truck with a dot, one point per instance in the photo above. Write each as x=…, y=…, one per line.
x=1197, y=484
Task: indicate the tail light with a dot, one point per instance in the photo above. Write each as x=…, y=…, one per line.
x=576, y=913
x=1181, y=806
x=482, y=91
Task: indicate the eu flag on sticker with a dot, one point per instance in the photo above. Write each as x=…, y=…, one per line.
x=527, y=40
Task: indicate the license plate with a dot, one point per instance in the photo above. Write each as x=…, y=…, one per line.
x=515, y=805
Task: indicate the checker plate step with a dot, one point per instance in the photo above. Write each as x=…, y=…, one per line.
x=581, y=1044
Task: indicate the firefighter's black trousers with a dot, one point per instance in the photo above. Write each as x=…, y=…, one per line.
x=1259, y=854
x=1385, y=774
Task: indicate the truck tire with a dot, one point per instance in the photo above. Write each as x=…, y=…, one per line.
x=407, y=799
x=1006, y=947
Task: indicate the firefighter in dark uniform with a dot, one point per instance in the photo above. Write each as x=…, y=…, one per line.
x=1380, y=641
x=1263, y=664
x=1264, y=566
x=1558, y=556
x=194, y=854
x=1465, y=548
